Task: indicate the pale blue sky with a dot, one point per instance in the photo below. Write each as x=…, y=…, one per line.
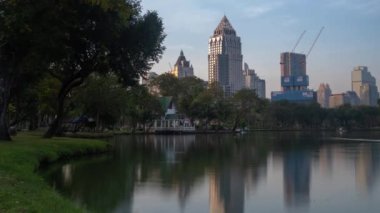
x=268, y=27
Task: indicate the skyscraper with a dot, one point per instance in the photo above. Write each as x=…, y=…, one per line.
x=182, y=68
x=364, y=84
x=294, y=80
x=252, y=81
x=225, y=58
x=293, y=72
x=323, y=95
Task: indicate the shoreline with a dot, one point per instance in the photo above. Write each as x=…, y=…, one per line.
x=104, y=135
x=22, y=189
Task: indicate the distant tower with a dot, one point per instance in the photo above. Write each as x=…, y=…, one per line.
x=364, y=84
x=225, y=58
x=252, y=81
x=323, y=95
x=182, y=67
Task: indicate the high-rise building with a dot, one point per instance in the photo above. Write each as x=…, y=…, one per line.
x=353, y=98
x=364, y=84
x=323, y=95
x=293, y=72
x=349, y=97
x=294, y=80
x=252, y=81
x=225, y=58
x=182, y=68
x=337, y=100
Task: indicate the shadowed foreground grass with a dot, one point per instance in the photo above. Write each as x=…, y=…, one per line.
x=21, y=188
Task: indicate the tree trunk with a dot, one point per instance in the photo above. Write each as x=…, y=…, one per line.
x=4, y=126
x=56, y=127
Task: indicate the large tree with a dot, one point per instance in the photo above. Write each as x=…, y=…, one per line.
x=101, y=38
x=106, y=110
x=246, y=106
x=20, y=42
x=142, y=107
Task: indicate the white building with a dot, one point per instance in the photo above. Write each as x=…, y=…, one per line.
x=225, y=59
x=323, y=95
x=252, y=81
x=182, y=68
x=364, y=84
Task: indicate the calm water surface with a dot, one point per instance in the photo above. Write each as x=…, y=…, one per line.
x=256, y=172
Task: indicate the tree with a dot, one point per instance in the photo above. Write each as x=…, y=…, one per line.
x=167, y=84
x=208, y=105
x=100, y=38
x=106, y=110
x=142, y=107
x=19, y=61
x=246, y=105
x=190, y=88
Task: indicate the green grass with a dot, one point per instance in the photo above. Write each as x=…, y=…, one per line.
x=21, y=188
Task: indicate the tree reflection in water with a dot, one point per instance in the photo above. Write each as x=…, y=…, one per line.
x=231, y=165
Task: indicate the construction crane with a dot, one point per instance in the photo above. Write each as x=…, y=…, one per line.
x=171, y=68
x=315, y=41
x=298, y=41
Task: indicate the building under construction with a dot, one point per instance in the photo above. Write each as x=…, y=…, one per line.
x=294, y=80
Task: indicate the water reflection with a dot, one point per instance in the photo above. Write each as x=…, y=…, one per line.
x=297, y=169
x=222, y=174
x=366, y=167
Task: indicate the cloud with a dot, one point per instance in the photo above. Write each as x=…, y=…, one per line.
x=369, y=7
x=253, y=11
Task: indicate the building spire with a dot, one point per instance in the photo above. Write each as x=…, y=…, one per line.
x=181, y=54
x=224, y=27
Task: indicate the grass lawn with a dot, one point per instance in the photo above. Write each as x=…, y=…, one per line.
x=21, y=189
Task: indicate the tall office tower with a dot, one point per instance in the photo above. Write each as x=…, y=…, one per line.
x=364, y=84
x=182, y=68
x=252, y=81
x=294, y=81
x=225, y=58
x=323, y=95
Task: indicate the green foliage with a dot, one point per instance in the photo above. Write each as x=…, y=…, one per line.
x=190, y=88
x=95, y=36
x=167, y=84
x=102, y=98
x=246, y=105
x=21, y=189
x=142, y=107
x=48, y=89
x=286, y=115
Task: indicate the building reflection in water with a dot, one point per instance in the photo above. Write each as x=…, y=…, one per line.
x=366, y=167
x=297, y=169
x=227, y=191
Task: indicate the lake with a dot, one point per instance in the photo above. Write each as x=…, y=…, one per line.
x=254, y=172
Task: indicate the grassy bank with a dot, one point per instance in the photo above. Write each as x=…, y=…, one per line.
x=21, y=189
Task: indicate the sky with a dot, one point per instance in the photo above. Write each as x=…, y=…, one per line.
x=268, y=27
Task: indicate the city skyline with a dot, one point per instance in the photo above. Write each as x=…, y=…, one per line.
x=268, y=28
